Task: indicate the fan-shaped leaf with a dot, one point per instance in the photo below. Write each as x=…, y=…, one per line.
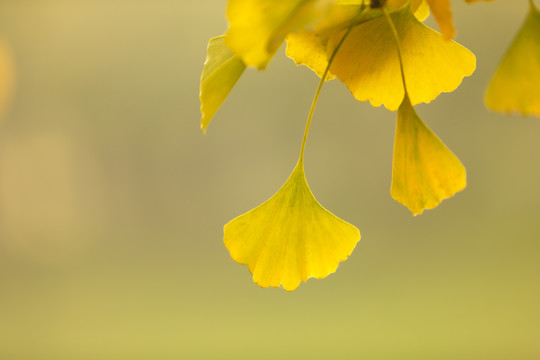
x=290, y=237
x=424, y=171
x=368, y=62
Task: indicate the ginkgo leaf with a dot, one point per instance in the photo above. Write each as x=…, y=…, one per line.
x=258, y=27
x=368, y=62
x=7, y=75
x=309, y=47
x=442, y=12
x=290, y=237
x=516, y=83
x=222, y=69
x=424, y=170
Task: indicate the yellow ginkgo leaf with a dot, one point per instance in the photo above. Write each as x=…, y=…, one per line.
x=309, y=47
x=516, y=83
x=258, y=27
x=221, y=71
x=369, y=65
x=442, y=12
x=290, y=237
x=7, y=75
x=424, y=170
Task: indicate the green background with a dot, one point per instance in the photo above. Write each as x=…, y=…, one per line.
x=112, y=201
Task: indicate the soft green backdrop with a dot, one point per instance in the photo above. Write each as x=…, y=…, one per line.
x=112, y=201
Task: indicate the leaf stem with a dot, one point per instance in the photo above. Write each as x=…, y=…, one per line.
x=398, y=45
x=317, y=93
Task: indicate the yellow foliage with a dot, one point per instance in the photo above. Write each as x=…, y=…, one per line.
x=392, y=60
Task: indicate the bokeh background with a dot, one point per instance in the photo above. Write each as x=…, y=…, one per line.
x=112, y=201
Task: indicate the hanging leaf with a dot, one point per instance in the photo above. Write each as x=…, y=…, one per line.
x=222, y=70
x=290, y=237
x=368, y=63
x=515, y=87
x=309, y=47
x=424, y=171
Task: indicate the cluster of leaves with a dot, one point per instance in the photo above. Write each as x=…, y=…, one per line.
x=384, y=53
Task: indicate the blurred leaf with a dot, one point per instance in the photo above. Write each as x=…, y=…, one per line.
x=290, y=237
x=442, y=12
x=425, y=171
x=222, y=70
x=258, y=27
x=368, y=62
x=7, y=75
x=516, y=83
